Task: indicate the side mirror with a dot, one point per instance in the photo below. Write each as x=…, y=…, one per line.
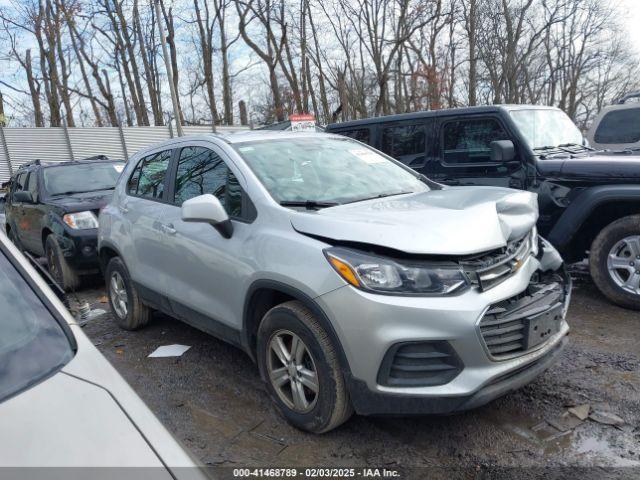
x=207, y=209
x=22, y=197
x=502, y=151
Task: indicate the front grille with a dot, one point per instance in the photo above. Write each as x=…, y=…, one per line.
x=489, y=269
x=522, y=323
x=419, y=364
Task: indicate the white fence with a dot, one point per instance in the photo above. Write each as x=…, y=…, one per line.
x=60, y=144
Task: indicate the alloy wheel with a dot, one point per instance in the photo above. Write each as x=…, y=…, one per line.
x=623, y=264
x=292, y=371
x=119, y=298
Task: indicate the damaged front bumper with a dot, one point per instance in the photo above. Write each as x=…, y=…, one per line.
x=441, y=355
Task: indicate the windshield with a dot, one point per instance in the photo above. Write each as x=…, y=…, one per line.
x=546, y=128
x=325, y=170
x=32, y=343
x=86, y=177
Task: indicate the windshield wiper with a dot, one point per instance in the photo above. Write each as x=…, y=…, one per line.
x=308, y=204
x=382, y=195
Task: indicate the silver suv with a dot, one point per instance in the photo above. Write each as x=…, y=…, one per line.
x=354, y=282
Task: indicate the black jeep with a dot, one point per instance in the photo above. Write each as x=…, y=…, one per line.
x=589, y=200
x=52, y=210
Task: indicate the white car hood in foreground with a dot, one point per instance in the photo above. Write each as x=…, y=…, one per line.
x=68, y=422
x=451, y=221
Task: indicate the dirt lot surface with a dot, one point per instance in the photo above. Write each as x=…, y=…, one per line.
x=212, y=399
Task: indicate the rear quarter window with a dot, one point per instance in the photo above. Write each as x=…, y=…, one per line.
x=619, y=126
x=406, y=143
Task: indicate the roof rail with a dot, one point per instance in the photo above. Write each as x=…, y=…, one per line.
x=96, y=157
x=628, y=96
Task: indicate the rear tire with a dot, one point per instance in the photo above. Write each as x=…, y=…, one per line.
x=59, y=269
x=128, y=310
x=614, y=261
x=308, y=388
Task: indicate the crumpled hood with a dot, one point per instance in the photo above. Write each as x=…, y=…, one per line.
x=451, y=221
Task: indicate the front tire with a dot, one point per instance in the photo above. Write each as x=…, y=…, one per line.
x=614, y=261
x=128, y=310
x=58, y=266
x=299, y=364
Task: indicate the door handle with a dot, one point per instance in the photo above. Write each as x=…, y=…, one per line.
x=169, y=229
x=123, y=209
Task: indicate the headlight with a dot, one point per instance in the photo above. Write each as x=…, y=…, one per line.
x=81, y=220
x=384, y=275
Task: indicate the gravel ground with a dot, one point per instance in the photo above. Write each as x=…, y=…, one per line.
x=212, y=399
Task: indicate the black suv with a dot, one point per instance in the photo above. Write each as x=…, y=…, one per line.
x=589, y=201
x=52, y=210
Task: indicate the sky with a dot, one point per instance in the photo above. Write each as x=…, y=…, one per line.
x=632, y=20
x=629, y=18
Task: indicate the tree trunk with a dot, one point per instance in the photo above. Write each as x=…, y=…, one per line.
x=34, y=90
x=153, y=94
x=3, y=121
x=243, y=113
x=227, y=91
x=473, y=61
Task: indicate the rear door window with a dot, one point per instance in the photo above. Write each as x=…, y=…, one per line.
x=200, y=171
x=360, y=134
x=619, y=126
x=149, y=177
x=32, y=342
x=406, y=143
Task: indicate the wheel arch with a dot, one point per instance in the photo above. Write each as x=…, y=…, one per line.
x=106, y=252
x=46, y=231
x=266, y=294
x=589, y=213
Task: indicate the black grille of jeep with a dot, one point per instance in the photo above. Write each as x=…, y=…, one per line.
x=419, y=364
x=489, y=269
x=511, y=327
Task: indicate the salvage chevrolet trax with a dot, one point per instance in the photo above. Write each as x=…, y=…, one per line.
x=354, y=282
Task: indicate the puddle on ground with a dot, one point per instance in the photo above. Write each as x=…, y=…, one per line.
x=597, y=448
x=586, y=442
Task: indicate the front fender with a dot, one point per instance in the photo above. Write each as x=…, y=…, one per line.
x=584, y=204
